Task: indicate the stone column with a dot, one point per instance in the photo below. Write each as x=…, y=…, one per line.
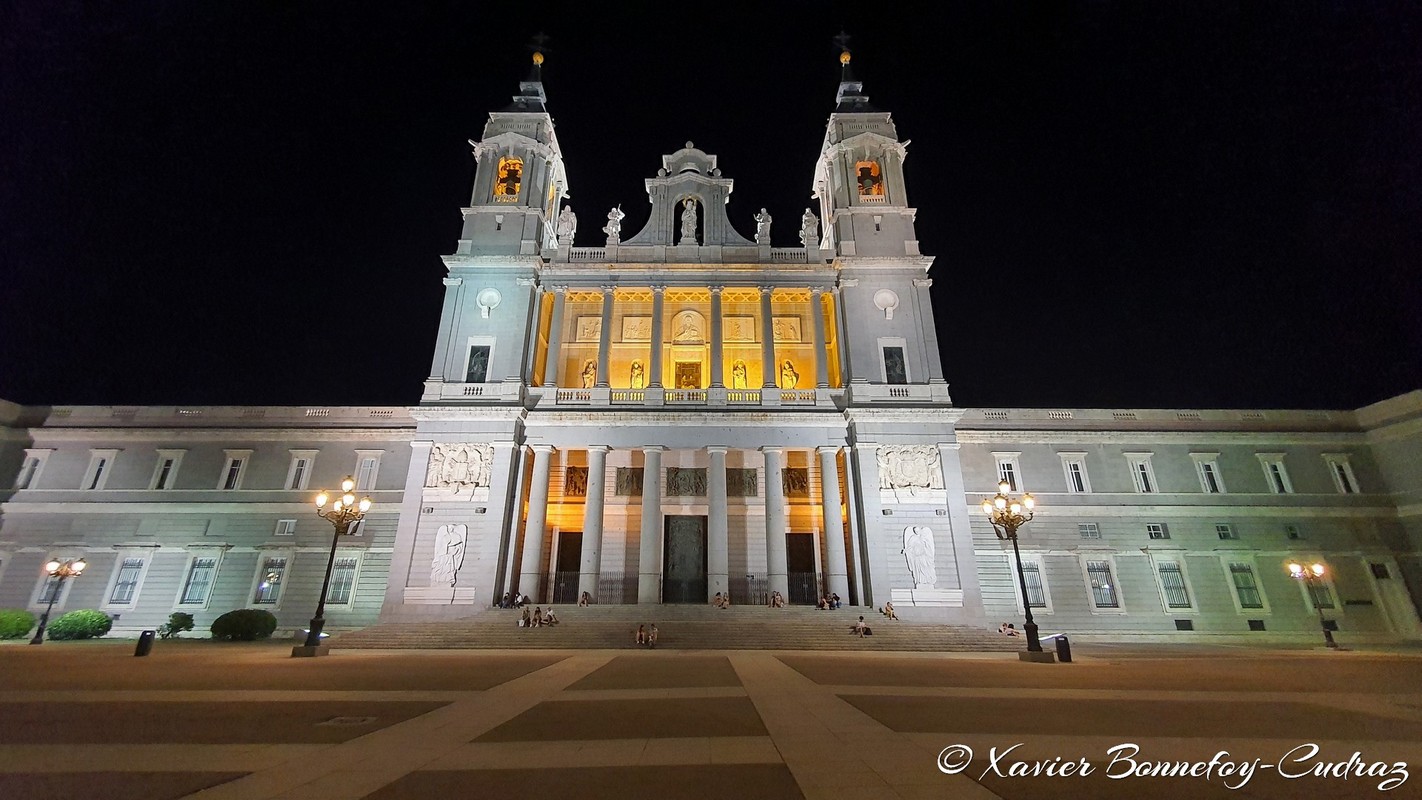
x=408, y=526
x=452, y=351
x=656, y=357
x=649, y=551
x=817, y=313
x=512, y=495
x=835, y=558
x=930, y=334
x=775, y=520
x=592, y=520
x=718, y=539
x=767, y=340
x=604, y=342
x=555, y=337
x=449, y=318
x=530, y=573
x=865, y=463
x=717, y=381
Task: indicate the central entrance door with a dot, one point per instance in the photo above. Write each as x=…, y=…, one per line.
x=684, y=562
x=565, y=571
x=800, y=564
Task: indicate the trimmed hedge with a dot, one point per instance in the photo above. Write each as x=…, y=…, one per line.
x=15, y=622
x=244, y=625
x=178, y=622
x=86, y=623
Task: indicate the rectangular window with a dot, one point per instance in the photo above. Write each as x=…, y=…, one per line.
x=1088, y=530
x=343, y=577
x=285, y=527
x=100, y=464
x=1246, y=588
x=1157, y=530
x=1275, y=473
x=478, y=371
x=130, y=570
x=1074, y=466
x=269, y=581
x=1009, y=470
x=28, y=472
x=51, y=585
x=1103, y=588
x=1142, y=474
x=234, y=469
x=1225, y=532
x=1208, y=470
x=199, y=580
x=1342, y=472
x=1036, y=597
x=1320, y=594
x=895, y=367
x=300, y=472
x=164, y=477
x=1172, y=581
x=367, y=470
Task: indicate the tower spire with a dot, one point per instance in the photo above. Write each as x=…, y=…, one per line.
x=531, y=95
x=850, y=96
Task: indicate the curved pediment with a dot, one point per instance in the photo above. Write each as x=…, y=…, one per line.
x=688, y=198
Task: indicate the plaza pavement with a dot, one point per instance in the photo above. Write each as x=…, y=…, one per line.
x=245, y=722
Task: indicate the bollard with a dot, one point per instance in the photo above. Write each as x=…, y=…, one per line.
x=145, y=644
x=1063, y=649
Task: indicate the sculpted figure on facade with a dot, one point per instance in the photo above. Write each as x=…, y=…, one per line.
x=738, y=374
x=909, y=466
x=638, y=378
x=567, y=226
x=810, y=229
x=688, y=222
x=918, y=551
x=589, y=374
x=789, y=378
x=688, y=327
x=457, y=467
x=448, y=554
x=762, y=227
x=613, y=228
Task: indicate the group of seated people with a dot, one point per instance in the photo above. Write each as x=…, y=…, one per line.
x=538, y=618
x=888, y=611
x=647, y=636
x=721, y=601
x=776, y=600
x=828, y=602
x=514, y=601
x=1006, y=629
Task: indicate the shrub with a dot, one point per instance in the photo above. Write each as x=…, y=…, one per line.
x=244, y=625
x=15, y=622
x=86, y=623
x=178, y=622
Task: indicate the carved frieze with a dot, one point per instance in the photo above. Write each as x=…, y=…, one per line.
x=682, y=482
x=459, y=468
x=909, y=468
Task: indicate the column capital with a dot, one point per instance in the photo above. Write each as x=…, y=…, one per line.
x=716, y=290
x=453, y=281
x=716, y=449
x=422, y=444
x=543, y=448
x=923, y=283
x=949, y=446
x=598, y=448
x=560, y=288
x=658, y=288
x=765, y=290
x=607, y=287
x=654, y=448
x=831, y=449
x=772, y=449
x=816, y=291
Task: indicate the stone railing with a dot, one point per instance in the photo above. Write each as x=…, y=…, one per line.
x=574, y=397
x=788, y=255
x=894, y=393
x=743, y=397
x=629, y=395
x=686, y=396
x=587, y=254
x=797, y=397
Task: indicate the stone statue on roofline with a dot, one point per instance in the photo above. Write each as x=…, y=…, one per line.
x=613, y=228
x=567, y=226
x=810, y=229
x=762, y=227
x=688, y=222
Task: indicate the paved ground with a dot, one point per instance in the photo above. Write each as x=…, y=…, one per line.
x=246, y=722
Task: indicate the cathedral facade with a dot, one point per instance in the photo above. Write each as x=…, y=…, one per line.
x=686, y=411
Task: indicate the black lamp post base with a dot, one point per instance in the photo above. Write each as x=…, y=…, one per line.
x=307, y=651
x=1034, y=641
x=1038, y=656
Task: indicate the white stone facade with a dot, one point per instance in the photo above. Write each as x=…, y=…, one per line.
x=689, y=411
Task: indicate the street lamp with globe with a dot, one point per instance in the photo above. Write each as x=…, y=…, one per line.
x=61, y=570
x=1007, y=514
x=343, y=514
x=1312, y=576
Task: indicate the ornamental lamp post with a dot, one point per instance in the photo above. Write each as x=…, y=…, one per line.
x=344, y=513
x=61, y=570
x=1312, y=576
x=1007, y=515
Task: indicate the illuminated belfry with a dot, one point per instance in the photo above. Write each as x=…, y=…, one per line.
x=726, y=416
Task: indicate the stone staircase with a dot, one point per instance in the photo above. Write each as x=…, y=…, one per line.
x=680, y=628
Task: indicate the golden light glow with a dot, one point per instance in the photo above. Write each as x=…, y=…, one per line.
x=364, y=504
x=1029, y=501
x=347, y=500
x=1296, y=570
x=1317, y=570
x=844, y=57
x=1000, y=502
x=987, y=506
x=52, y=567
x=537, y=58
x=78, y=566
x=322, y=499
x=347, y=485
x=1003, y=487
x=1016, y=508
x=870, y=178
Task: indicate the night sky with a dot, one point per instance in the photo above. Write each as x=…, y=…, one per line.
x=1136, y=204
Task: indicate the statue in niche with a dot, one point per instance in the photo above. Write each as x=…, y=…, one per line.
x=567, y=226
x=688, y=222
x=638, y=376
x=458, y=466
x=918, y=551
x=810, y=229
x=910, y=467
x=448, y=554
x=789, y=378
x=589, y=374
x=613, y=228
x=762, y=227
x=738, y=374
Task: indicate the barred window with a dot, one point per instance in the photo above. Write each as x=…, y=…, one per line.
x=1246, y=588
x=269, y=584
x=199, y=580
x=1172, y=579
x=127, y=581
x=1103, y=588
x=1036, y=597
x=342, y=580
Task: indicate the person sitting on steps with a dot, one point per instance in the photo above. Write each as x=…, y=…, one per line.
x=537, y=617
x=860, y=628
x=889, y=611
x=652, y=636
x=527, y=620
x=835, y=601
x=641, y=634
x=507, y=602
x=823, y=605
x=1006, y=629
x=585, y=600
x=549, y=618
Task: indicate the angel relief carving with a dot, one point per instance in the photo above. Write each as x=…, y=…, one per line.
x=459, y=467
x=910, y=468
